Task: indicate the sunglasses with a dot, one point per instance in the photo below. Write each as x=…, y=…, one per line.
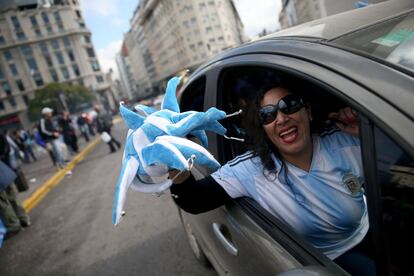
x=288, y=105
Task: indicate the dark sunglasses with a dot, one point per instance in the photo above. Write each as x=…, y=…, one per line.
x=288, y=105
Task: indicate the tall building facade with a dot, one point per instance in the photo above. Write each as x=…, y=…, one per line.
x=43, y=42
x=295, y=12
x=173, y=35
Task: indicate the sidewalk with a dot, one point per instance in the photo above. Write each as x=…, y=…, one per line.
x=38, y=172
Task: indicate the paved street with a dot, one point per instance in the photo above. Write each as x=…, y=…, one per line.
x=72, y=232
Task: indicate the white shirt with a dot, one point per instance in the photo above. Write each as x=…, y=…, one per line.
x=326, y=205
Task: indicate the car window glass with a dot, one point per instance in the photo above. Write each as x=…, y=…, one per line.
x=396, y=176
x=192, y=98
x=392, y=40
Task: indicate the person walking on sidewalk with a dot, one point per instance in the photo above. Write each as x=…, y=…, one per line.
x=104, y=124
x=68, y=132
x=50, y=136
x=12, y=213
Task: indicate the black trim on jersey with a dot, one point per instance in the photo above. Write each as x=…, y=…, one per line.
x=199, y=196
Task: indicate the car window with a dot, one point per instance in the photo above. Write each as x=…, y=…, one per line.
x=392, y=40
x=396, y=176
x=192, y=98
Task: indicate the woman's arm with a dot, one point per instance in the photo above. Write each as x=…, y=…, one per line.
x=346, y=119
x=198, y=196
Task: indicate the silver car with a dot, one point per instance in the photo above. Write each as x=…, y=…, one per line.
x=364, y=59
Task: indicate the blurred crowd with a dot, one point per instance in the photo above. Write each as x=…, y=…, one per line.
x=55, y=134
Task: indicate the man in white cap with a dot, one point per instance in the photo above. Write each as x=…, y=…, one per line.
x=50, y=136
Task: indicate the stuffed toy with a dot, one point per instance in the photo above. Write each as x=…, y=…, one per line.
x=156, y=143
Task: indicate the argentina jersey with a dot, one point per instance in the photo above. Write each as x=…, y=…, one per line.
x=326, y=204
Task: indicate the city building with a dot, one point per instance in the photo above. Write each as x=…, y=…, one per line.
x=296, y=12
x=43, y=42
x=169, y=36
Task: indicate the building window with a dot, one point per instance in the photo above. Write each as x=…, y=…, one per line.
x=31, y=62
x=99, y=79
x=49, y=29
x=66, y=41
x=33, y=20
x=2, y=40
x=90, y=52
x=1, y=105
x=86, y=39
x=76, y=70
x=57, y=16
x=48, y=60
x=38, y=32
x=20, y=85
x=13, y=69
x=12, y=102
x=95, y=66
x=54, y=75
x=43, y=47
x=6, y=88
x=26, y=100
x=55, y=44
x=81, y=82
x=8, y=55
x=81, y=25
x=20, y=36
x=60, y=58
x=45, y=17
x=38, y=79
x=65, y=73
x=60, y=26
x=15, y=22
x=78, y=14
x=1, y=74
x=71, y=56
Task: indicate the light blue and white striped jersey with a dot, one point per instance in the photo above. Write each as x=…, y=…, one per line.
x=326, y=205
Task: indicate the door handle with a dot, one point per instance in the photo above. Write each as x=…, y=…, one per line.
x=228, y=245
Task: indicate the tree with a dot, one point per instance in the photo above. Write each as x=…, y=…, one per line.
x=57, y=95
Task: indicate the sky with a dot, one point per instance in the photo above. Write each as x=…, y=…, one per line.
x=108, y=20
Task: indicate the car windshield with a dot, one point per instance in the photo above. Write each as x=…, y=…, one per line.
x=392, y=41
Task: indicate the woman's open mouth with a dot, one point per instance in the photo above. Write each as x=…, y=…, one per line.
x=289, y=136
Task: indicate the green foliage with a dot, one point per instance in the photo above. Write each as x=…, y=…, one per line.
x=74, y=95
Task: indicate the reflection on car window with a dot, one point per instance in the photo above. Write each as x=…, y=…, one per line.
x=396, y=174
x=392, y=41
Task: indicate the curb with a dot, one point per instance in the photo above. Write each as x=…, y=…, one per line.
x=29, y=203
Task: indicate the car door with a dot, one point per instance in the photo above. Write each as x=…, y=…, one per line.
x=241, y=238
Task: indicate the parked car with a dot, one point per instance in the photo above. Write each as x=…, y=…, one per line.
x=363, y=59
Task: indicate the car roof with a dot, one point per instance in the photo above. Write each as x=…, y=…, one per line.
x=334, y=26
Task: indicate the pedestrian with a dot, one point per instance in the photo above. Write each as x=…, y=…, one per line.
x=39, y=141
x=104, y=125
x=83, y=126
x=68, y=132
x=12, y=213
x=27, y=142
x=50, y=135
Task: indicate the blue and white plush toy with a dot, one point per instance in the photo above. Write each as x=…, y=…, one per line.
x=156, y=143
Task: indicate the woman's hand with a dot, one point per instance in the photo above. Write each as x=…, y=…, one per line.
x=346, y=119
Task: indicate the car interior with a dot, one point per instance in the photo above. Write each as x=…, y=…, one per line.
x=238, y=86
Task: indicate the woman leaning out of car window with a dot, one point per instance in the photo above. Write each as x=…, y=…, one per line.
x=311, y=182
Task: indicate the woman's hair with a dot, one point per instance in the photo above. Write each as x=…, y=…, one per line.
x=257, y=140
